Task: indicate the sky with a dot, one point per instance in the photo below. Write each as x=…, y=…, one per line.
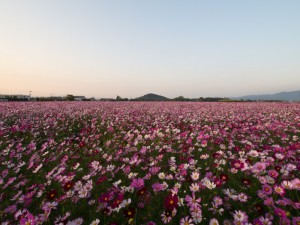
x=130, y=48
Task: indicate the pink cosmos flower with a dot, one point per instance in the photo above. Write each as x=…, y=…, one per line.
x=218, y=201
x=285, y=221
x=195, y=175
x=213, y=221
x=157, y=187
x=296, y=184
x=242, y=197
x=154, y=170
x=296, y=205
x=284, y=201
x=21, y=213
x=273, y=173
x=11, y=209
x=267, y=189
x=240, y=216
x=269, y=201
x=137, y=183
x=258, y=167
x=192, y=201
x=194, y=187
x=167, y=215
x=186, y=221
x=279, y=190
x=28, y=220
x=237, y=164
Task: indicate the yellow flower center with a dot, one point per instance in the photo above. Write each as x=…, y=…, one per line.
x=278, y=189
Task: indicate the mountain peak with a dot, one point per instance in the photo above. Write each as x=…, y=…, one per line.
x=281, y=96
x=152, y=97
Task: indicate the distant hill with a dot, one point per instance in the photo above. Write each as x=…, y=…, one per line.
x=282, y=96
x=152, y=97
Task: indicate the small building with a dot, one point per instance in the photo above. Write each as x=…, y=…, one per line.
x=79, y=98
x=23, y=97
x=107, y=99
x=4, y=97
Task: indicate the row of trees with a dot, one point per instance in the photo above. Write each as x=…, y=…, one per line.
x=70, y=97
x=201, y=99
x=182, y=99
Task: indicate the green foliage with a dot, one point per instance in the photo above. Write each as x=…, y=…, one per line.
x=70, y=97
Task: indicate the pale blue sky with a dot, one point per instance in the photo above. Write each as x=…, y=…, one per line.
x=131, y=48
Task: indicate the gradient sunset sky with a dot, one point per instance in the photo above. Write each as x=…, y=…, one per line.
x=131, y=48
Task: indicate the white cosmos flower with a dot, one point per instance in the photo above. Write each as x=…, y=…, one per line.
x=110, y=167
x=161, y=175
x=239, y=215
x=195, y=176
x=78, y=185
x=132, y=175
x=117, y=183
x=86, y=177
x=194, y=187
x=287, y=184
x=92, y=202
x=77, y=221
x=213, y=221
x=82, y=193
x=125, y=203
x=205, y=156
x=95, y=222
x=210, y=185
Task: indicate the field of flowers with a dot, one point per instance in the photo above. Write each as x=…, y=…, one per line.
x=149, y=163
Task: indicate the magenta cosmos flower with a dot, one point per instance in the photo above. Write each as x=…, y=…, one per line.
x=237, y=164
x=157, y=187
x=171, y=202
x=280, y=212
x=296, y=220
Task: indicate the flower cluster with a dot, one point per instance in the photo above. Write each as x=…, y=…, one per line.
x=149, y=163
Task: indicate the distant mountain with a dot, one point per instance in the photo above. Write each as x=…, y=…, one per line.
x=282, y=96
x=152, y=97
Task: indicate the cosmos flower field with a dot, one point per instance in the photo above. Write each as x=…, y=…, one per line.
x=149, y=163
